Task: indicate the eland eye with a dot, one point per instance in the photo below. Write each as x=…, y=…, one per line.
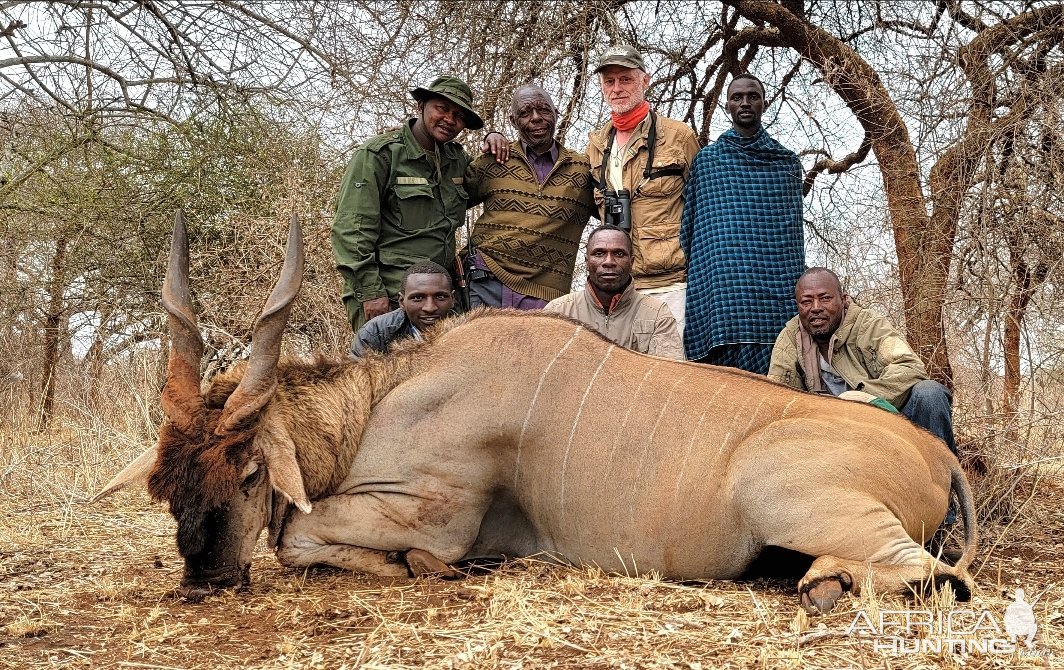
x=251, y=478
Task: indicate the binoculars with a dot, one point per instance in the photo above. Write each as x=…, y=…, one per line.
x=617, y=208
x=472, y=272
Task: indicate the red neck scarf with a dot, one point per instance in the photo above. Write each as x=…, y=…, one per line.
x=630, y=119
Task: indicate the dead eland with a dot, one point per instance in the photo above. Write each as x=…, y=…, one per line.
x=516, y=433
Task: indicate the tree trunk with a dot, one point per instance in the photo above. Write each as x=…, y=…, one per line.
x=1028, y=279
x=1010, y=394
x=94, y=359
x=53, y=327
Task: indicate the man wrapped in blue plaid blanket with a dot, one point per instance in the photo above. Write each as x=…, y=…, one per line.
x=743, y=237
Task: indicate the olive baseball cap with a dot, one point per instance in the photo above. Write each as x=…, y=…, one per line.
x=624, y=55
x=455, y=90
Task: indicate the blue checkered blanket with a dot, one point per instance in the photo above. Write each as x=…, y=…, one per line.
x=742, y=233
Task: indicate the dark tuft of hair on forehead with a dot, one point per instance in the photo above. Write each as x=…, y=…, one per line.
x=196, y=476
x=424, y=268
x=747, y=75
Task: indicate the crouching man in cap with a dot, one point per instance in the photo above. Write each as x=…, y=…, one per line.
x=401, y=200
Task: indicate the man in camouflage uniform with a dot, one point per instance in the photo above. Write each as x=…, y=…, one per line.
x=402, y=198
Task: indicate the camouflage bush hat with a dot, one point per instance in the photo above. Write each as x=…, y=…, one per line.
x=624, y=55
x=455, y=90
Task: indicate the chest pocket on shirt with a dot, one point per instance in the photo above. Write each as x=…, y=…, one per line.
x=460, y=198
x=667, y=173
x=415, y=204
x=642, y=334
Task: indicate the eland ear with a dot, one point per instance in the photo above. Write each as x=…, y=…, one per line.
x=134, y=473
x=279, y=452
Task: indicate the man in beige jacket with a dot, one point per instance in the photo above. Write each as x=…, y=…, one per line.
x=610, y=305
x=834, y=346
x=648, y=156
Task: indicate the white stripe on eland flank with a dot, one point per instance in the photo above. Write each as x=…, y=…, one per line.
x=683, y=463
x=720, y=389
x=789, y=406
x=650, y=439
x=632, y=401
x=744, y=434
x=723, y=443
x=709, y=405
x=746, y=431
x=535, y=397
x=576, y=422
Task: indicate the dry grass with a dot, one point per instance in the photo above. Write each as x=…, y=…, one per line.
x=92, y=586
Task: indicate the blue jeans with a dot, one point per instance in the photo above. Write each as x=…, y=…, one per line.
x=930, y=406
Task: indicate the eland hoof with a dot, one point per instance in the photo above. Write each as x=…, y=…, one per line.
x=423, y=564
x=821, y=599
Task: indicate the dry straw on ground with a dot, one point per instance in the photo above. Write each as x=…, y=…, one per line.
x=92, y=586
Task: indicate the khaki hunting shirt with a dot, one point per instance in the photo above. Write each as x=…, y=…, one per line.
x=657, y=259
x=866, y=351
x=638, y=322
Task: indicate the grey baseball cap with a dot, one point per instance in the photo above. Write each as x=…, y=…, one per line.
x=624, y=55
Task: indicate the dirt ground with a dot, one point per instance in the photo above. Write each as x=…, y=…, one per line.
x=93, y=586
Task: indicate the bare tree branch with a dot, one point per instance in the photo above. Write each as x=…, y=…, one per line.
x=835, y=166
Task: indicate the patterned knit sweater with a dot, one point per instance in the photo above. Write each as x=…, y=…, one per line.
x=529, y=232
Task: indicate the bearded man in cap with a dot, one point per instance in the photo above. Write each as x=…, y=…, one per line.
x=402, y=198
x=643, y=157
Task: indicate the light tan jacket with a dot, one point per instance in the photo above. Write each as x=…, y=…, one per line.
x=866, y=351
x=635, y=321
x=657, y=259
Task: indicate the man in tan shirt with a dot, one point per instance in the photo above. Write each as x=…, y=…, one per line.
x=648, y=156
x=610, y=305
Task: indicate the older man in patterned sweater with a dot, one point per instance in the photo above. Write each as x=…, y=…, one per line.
x=537, y=199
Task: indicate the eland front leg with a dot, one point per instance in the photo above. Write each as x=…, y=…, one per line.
x=382, y=533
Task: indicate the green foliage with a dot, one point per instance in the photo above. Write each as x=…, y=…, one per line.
x=87, y=214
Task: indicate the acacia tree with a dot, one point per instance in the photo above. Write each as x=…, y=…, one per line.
x=85, y=86
x=86, y=237
x=1010, y=248
x=124, y=59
